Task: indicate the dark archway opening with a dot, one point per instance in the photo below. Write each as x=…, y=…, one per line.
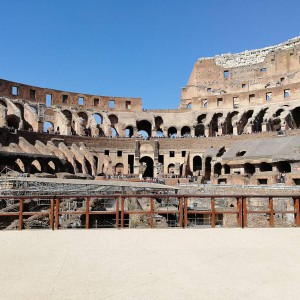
x=284, y=167
x=208, y=168
x=144, y=125
x=197, y=163
x=217, y=169
x=149, y=166
x=249, y=169
x=172, y=132
x=264, y=167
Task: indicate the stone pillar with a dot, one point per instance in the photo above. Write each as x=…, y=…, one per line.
x=220, y=130
x=263, y=127
x=235, y=130
x=206, y=131
x=193, y=131
x=248, y=128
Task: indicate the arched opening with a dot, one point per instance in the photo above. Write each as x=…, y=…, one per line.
x=98, y=118
x=259, y=119
x=114, y=132
x=249, y=168
x=149, y=166
x=13, y=121
x=119, y=168
x=51, y=167
x=226, y=169
x=48, y=127
x=129, y=131
x=197, y=163
x=208, y=168
x=186, y=131
x=68, y=115
x=214, y=125
x=84, y=117
x=218, y=169
x=35, y=167
x=276, y=124
x=19, y=166
x=78, y=166
x=296, y=116
x=172, y=132
x=171, y=169
x=264, y=167
x=96, y=163
x=200, y=130
x=159, y=133
x=244, y=120
x=144, y=126
x=26, y=125
x=158, y=122
x=113, y=120
x=89, y=167
x=284, y=167
x=229, y=123
x=189, y=106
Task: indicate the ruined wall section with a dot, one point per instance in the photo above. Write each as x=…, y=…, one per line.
x=248, y=75
x=15, y=90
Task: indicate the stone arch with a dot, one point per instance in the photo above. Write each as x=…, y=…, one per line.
x=51, y=167
x=296, y=116
x=249, y=168
x=185, y=131
x=119, y=168
x=68, y=115
x=284, y=167
x=228, y=122
x=207, y=172
x=159, y=133
x=197, y=163
x=129, y=131
x=35, y=167
x=149, y=166
x=258, y=120
x=214, y=124
x=13, y=121
x=171, y=169
x=264, y=167
x=84, y=117
x=244, y=120
x=144, y=126
x=172, y=132
x=48, y=127
x=98, y=118
x=113, y=120
x=158, y=121
x=218, y=169
x=19, y=165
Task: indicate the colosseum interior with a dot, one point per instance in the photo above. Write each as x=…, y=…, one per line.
x=237, y=123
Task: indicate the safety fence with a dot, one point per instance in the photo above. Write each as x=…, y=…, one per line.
x=148, y=211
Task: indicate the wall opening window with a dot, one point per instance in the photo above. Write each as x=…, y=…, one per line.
x=287, y=93
x=96, y=102
x=251, y=98
x=204, y=103
x=15, y=90
x=282, y=79
x=48, y=100
x=226, y=74
x=111, y=103
x=128, y=104
x=32, y=94
x=236, y=102
x=65, y=98
x=219, y=101
x=80, y=100
x=263, y=69
x=209, y=90
x=268, y=96
x=119, y=153
x=183, y=153
x=172, y=153
x=244, y=85
x=106, y=152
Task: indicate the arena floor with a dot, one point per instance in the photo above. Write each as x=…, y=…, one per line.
x=150, y=264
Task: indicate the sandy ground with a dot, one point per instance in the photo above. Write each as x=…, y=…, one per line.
x=151, y=264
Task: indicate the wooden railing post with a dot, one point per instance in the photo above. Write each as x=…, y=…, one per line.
x=151, y=212
x=117, y=212
x=185, y=217
x=297, y=212
x=180, y=208
x=271, y=215
x=122, y=211
x=21, y=207
x=244, y=200
x=240, y=211
x=51, y=214
x=87, y=213
x=57, y=213
x=213, y=212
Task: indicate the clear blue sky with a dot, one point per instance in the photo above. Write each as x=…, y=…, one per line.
x=137, y=48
